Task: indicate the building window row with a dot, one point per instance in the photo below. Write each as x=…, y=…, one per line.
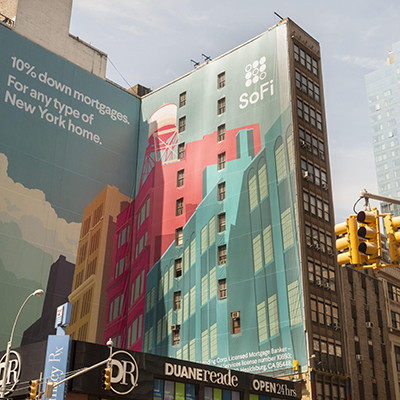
x=116, y=308
x=179, y=206
x=221, y=193
x=91, y=268
x=221, y=161
x=97, y=215
x=86, y=302
x=135, y=331
x=78, y=279
x=395, y=320
x=319, y=239
x=140, y=245
x=123, y=236
x=309, y=114
x=182, y=124
x=94, y=242
x=221, y=133
x=137, y=287
x=311, y=143
x=258, y=187
x=120, y=266
x=316, y=206
x=181, y=151
x=322, y=275
x=314, y=174
x=142, y=215
x=182, y=99
x=221, y=106
x=85, y=226
x=327, y=346
x=324, y=312
x=221, y=80
x=82, y=253
x=180, y=178
x=394, y=292
x=305, y=59
x=307, y=86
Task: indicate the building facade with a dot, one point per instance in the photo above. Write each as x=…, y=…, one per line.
x=383, y=95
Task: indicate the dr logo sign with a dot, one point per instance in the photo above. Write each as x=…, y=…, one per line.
x=124, y=372
x=258, y=83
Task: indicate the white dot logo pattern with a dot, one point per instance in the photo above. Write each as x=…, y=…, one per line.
x=256, y=71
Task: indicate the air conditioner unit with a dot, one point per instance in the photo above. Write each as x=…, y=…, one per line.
x=359, y=357
x=236, y=315
x=325, y=186
x=336, y=326
x=369, y=324
x=319, y=282
x=316, y=246
x=303, y=143
x=327, y=285
x=306, y=175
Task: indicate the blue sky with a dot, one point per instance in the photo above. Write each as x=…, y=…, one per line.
x=152, y=42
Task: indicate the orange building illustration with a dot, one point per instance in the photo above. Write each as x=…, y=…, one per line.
x=93, y=264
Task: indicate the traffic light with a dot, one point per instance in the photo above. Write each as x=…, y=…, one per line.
x=106, y=379
x=393, y=237
x=33, y=388
x=348, y=240
x=370, y=232
x=295, y=366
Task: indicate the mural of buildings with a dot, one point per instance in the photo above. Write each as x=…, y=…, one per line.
x=58, y=288
x=93, y=266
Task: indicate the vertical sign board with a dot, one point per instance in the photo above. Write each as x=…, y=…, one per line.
x=56, y=364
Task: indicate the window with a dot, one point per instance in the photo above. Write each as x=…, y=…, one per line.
x=182, y=124
x=221, y=133
x=178, y=268
x=221, y=80
x=221, y=161
x=222, y=289
x=177, y=300
x=179, y=206
x=181, y=151
x=221, y=106
x=221, y=191
x=176, y=333
x=235, y=322
x=178, y=236
x=182, y=99
x=221, y=223
x=222, y=254
x=180, y=178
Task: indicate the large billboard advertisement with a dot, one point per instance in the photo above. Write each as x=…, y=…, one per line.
x=178, y=211
x=215, y=223
x=64, y=136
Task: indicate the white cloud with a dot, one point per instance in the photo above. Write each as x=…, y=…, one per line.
x=364, y=62
x=36, y=218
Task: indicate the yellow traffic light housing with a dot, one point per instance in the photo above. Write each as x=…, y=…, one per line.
x=33, y=388
x=348, y=240
x=106, y=379
x=369, y=231
x=393, y=237
x=295, y=366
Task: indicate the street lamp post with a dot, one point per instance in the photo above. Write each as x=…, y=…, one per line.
x=38, y=293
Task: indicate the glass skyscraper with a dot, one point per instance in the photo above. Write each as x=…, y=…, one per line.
x=383, y=93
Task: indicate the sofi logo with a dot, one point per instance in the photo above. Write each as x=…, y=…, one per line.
x=255, y=75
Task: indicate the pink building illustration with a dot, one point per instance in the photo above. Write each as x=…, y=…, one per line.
x=170, y=191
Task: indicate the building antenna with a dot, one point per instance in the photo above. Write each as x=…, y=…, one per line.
x=195, y=63
x=278, y=15
x=206, y=58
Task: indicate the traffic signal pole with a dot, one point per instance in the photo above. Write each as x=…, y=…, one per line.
x=366, y=195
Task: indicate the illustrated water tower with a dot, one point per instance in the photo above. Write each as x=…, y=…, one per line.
x=163, y=139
